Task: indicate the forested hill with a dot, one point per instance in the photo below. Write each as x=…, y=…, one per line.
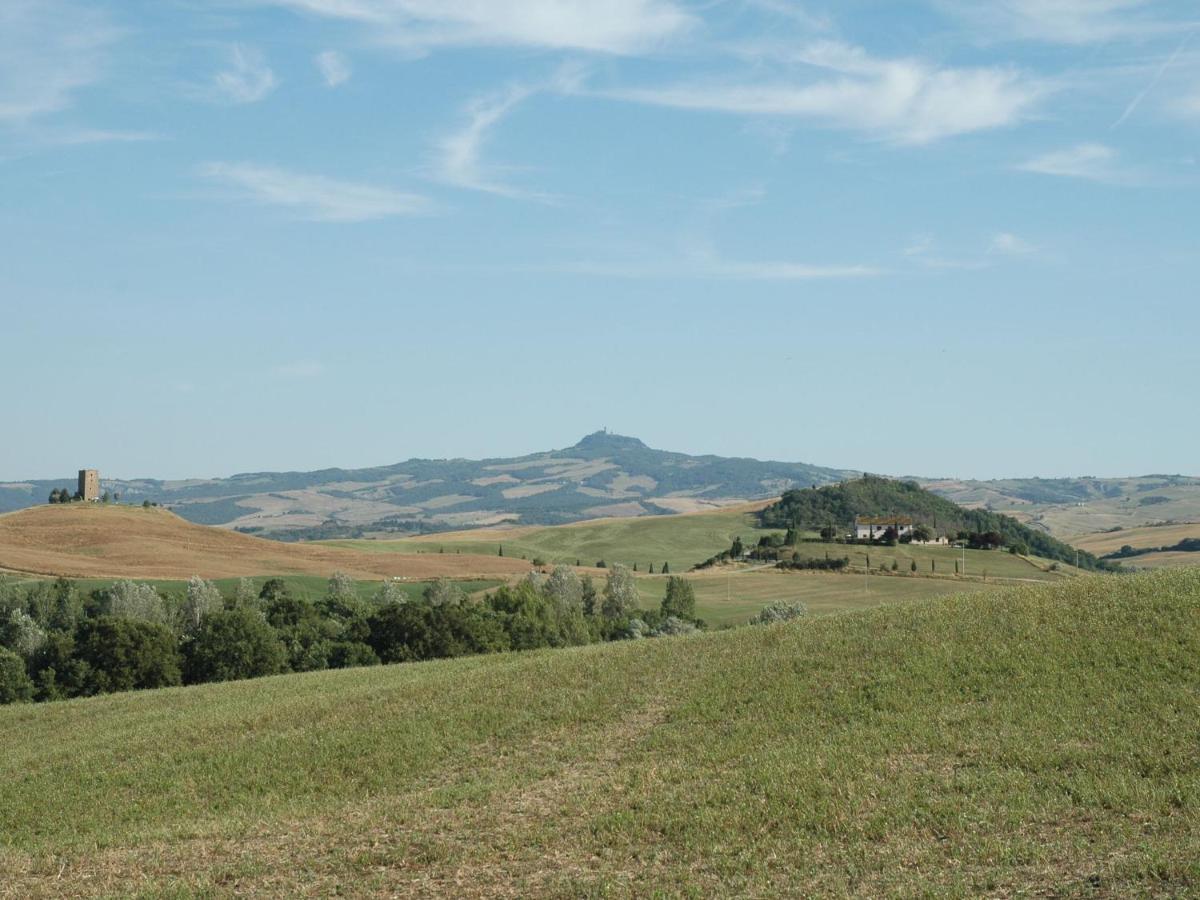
x=871, y=495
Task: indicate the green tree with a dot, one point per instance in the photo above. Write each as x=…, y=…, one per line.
x=390, y=592
x=273, y=589
x=588, y=595
x=680, y=599
x=200, y=599
x=127, y=654
x=135, y=600
x=444, y=592
x=620, y=594
x=233, y=644
x=666, y=569
x=15, y=685
x=246, y=595
x=341, y=588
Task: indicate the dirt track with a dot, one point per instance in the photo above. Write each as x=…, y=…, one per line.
x=96, y=541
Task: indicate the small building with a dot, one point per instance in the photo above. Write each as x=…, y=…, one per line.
x=872, y=528
x=89, y=484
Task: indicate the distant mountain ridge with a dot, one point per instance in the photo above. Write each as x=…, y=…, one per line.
x=603, y=474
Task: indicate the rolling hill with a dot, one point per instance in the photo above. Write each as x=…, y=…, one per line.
x=1067, y=507
x=104, y=541
x=838, y=505
x=602, y=475
x=1041, y=742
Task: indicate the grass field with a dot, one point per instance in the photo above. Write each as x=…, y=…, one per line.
x=681, y=540
x=685, y=540
x=732, y=598
x=1040, y=741
x=84, y=540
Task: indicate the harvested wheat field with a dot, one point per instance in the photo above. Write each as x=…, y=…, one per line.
x=100, y=541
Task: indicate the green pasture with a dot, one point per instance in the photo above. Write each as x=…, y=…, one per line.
x=1028, y=741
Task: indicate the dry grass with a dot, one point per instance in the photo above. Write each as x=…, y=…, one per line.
x=98, y=541
x=1138, y=538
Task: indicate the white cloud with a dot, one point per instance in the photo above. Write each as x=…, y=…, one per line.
x=459, y=162
x=102, y=136
x=459, y=154
x=924, y=251
x=1009, y=244
x=314, y=196
x=904, y=100
x=1093, y=162
x=709, y=265
x=1063, y=21
x=333, y=67
x=606, y=26
x=49, y=50
x=248, y=78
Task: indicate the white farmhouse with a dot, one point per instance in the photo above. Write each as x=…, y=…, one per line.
x=870, y=528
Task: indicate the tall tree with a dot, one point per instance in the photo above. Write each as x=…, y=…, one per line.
x=620, y=593
x=680, y=599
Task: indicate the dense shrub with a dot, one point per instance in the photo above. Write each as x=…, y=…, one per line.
x=780, y=612
x=233, y=644
x=127, y=654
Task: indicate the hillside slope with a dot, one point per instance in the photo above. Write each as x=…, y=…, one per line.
x=1039, y=742
x=85, y=540
x=601, y=475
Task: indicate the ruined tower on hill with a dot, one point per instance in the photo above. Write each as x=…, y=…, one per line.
x=89, y=484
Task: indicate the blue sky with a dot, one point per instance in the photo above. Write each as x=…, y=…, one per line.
x=940, y=238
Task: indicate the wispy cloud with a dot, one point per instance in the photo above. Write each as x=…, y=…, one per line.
x=1092, y=162
x=1064, y=21
x=101, y=136
x=1008, y=244
x=706, y=264
x=904, y=100
x=314, y=196
x=49, y=50
x=247, y=79
x=924, y=251
x=605, y=26
x=333, y=67
x=458, y=159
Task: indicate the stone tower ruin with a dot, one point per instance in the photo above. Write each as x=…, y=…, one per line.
x=89, y=484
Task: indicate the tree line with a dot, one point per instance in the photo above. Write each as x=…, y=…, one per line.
x=57, y=642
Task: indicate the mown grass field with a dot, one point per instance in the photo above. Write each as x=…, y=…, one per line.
x=1039, y=741
x=685, y=540
x=732, y=598
x=681, y=540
